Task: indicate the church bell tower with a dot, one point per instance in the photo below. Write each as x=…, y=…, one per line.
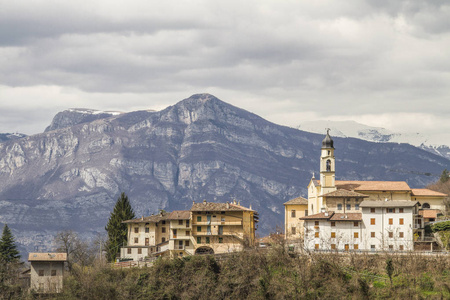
x=327, y=165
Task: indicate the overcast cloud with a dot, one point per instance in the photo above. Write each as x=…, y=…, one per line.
x=381, y=63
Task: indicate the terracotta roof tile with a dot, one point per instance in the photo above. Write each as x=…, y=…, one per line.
x=212, y=206
x=346, y=217
x=149, y=219
x=428, y=213
x=427, y=192
x=390, y=203
x=319, y=216
x=373, y=185
x=179, y=215
x=47, y=256
x=298, y=201
x=344, y=193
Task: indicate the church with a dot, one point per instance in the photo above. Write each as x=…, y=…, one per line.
x=359, y=215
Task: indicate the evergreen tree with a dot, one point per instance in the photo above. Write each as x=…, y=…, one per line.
x=444, y=176
x=117, y=231
x=8, y=250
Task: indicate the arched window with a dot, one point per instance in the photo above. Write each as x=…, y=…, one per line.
x=328, y=165
x=425, y=205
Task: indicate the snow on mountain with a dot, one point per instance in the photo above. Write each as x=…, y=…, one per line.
x=436, y=144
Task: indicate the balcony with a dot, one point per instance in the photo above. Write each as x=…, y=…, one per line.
x=180, y=237
x=233, y=223
x=178, y=226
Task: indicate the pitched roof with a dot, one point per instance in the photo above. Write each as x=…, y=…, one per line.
x=298, y=201
x=390, y=203
x=47, y=256
x=428, y=213
x=344, y=193
x=212, y=206
x=427, y=192
x=179, y=215
x=319, y=216
x=346, y=217
x=149, y=219
x=372, y=185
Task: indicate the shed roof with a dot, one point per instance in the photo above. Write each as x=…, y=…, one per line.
x=344, y=193
x=179, y=215
x=213, y=206
x=297, y=201
x=319, y=216
x=390, y=203
x=149, y=219
x=429, y=213
x=357, y=185
x=47, y=256
x=427, y=192
x=346, y=217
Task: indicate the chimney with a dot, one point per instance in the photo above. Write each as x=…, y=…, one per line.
x=228, y=205
x=204, y=201
x=142, y=218
x=326, y=214
x=193, y=202
x=239, y=203
x=250, y=206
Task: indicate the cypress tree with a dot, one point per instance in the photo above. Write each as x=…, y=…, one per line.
x=117, y=231
x=8, y=250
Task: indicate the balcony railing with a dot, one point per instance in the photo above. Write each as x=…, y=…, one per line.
x=179, y=247
x=237, y=222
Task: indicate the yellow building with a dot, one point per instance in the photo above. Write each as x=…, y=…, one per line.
x=294, y=210
x=207, y=228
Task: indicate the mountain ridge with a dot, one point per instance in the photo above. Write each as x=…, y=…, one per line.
x=200, y=148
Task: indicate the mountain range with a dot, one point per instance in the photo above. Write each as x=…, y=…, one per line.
x=70, y=176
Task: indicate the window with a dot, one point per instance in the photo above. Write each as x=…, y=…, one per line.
x=316, y=223
x=316, y=246
x=316, y=234
x=147, y=230
x=53, y=273
x=400, y=234
x=355, y=224
x=333, y=235
x=174, y=232
x=400, y=210
x=199, y=218
x=128, y=250
x=391, y=221
x=199, y=240
x=41, y=272
x=136, y=229
x=355, y=235
x=333, y=223
x=146, y=241
x=400, y=221
x=199, y=228
x=372, y=209
x=355, y=246
x=187, y=223
x=163, y=229
x=333, y=246
x=425, y=205
x=136, y=240
x=293, y=230
x=163, y=222
x=188, y=233
x=391, y=234
x=186, y=243
x=180, y=222
x=356, y=206
x=390, y=210
x=339, y=206
x=372, y=221
x=139, y=250
x=372, y=234
x=293, y=213
x=207, y=239
x=163, y=240
x=391, y=247
x=220, y=240
x=401, y=248
x=349, y=206
x=306, y=212
x=372, y=247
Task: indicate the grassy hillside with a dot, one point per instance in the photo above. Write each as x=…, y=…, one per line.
x=271, y=274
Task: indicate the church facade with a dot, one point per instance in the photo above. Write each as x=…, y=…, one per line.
x=361, y=215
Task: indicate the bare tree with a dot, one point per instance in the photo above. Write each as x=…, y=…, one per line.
x=78, y=250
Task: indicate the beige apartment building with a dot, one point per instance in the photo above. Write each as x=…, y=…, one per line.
x=206, y=228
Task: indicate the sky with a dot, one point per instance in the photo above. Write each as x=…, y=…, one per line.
x=381, y=63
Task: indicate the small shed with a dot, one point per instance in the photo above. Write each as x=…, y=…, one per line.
x=47, y=271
